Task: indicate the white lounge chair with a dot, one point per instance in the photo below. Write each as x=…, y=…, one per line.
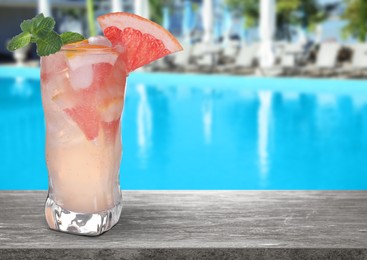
x=209, y=59
x=229, y=52
x=198, y=51
x=289, y=59
x=244, y=62
x=358, y=66
x=159, y=65
x=181, y=59
x=326, y=60
x=279, y=49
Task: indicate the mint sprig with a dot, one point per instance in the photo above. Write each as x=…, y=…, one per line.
x=40, y=30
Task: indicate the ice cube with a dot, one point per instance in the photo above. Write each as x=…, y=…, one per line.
x=99, y=40
x=52, y=65
x=111, y=109
x=64, y=99
x=61, y=92
x=82, y=77
x=83, y=59
x=58, y=82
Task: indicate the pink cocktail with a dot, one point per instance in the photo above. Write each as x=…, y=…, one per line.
x=83, y=89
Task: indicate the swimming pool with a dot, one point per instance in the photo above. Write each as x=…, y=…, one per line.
x=208, y=132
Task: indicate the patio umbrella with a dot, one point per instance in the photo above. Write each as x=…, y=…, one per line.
x=208, y=20
x=243, y=31
x=44, y=7
x=227, y=27
x=302, y=36
x=318, y=36
x=217, y=29
x=267, y=31
x=116, y=6
x=141, y=7
x=186, y=22
x=166, y=17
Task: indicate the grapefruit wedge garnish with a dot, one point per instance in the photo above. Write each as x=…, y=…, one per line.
x=143, y=40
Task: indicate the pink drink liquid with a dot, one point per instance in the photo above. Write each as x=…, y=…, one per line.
x=83, y=95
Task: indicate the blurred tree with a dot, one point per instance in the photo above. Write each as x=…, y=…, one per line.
x=286, y=16
x=310, y=14
x=356, y=16
x=195, y=7
x=156, y=9
x=250, y=9
x=305, y=13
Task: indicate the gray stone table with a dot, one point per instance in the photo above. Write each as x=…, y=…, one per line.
x=198, y=225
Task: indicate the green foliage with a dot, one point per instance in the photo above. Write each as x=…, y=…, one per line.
x=356, y=16
x=156, y=9
x=195, y=7
x=305, y=13
x=249, y=8
x=156, y=14
x=311, y=14
x=40, y=30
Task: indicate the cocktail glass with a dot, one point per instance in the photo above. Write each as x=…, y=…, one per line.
x=83, y=89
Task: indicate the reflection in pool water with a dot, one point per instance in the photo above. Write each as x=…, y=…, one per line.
x=200, y=136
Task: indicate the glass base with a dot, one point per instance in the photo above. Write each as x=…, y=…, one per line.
x=88, y=224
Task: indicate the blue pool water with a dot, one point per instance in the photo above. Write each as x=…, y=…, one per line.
x=208, y=132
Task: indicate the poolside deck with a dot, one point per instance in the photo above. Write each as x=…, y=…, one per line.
x=198, y=225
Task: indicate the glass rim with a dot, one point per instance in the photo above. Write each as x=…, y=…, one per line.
x=102, y=50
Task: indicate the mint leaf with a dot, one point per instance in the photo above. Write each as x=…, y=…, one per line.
x=33, y=39
x=70, y=37
x=45, y=26
x=49, y=44
x=36, y=21
x=26, y=25
x=19, y=41
x=31, y=24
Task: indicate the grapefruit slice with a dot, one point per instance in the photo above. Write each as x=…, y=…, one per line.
x=90, y=75
x=86, y=118
x=143, y=40
x=111, y=109
x=101, y=72
x=110, y=129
